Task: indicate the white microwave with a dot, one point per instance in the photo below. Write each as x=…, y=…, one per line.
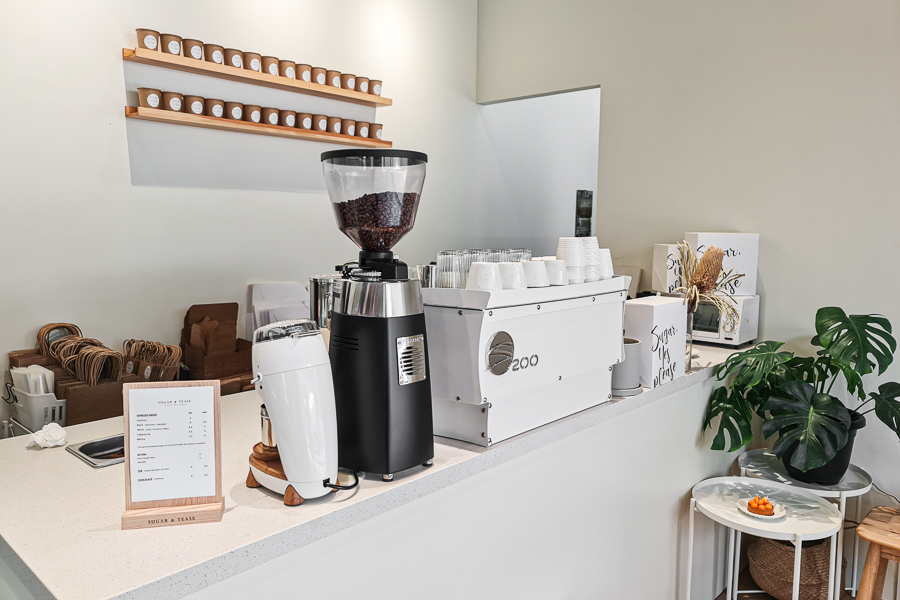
x=709, y=326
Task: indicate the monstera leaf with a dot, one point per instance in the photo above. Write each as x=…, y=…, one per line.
x=853, y=339
x=736, y=415
x=887, y=407
x=753, y=365
x=817, y=423
x=818, y=371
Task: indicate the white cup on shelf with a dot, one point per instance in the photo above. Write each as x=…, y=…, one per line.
x=606, y=264
x=535, y=273
x=512, y=275
x=556, y=272
x=484, y=276
x=576, y=274
x=571, y=250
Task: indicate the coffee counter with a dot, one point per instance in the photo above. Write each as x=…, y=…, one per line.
x=61, y=535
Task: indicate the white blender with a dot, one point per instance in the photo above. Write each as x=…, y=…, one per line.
x=298, y=455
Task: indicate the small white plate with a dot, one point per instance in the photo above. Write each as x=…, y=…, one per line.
x=777, y=509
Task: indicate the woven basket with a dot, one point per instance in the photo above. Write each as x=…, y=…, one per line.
x=772, y=568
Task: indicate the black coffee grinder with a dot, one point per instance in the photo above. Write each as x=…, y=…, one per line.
x=379, y=349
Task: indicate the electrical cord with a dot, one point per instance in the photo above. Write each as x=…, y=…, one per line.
x=875, y=485
x=334, y=486
x=12, y=398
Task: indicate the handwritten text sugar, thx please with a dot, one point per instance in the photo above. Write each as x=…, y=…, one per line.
x=662, y=349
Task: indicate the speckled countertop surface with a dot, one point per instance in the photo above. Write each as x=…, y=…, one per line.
x=60, y=519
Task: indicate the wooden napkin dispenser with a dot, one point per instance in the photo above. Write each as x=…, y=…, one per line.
x=214, y=352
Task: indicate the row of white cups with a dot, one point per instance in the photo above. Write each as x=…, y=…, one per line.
x=577, y=260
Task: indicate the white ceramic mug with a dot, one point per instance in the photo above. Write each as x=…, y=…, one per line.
x=556, y=272
x=535, y=273
x=484, y=276
x=512, y=275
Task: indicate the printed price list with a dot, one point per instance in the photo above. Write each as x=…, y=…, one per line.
x=172, y=443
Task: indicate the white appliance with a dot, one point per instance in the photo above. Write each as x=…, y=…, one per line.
x=293, y=377
x=503, y=362
x=709, y=326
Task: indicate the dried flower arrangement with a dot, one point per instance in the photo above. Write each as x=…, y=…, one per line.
x=706, y=280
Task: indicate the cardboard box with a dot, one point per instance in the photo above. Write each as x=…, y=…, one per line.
x=660, y=323
x=203, y=366
x=667, y=272
x=26, y=358
x=741, y=254
x=226, y=311
x=220, y=365
x=85, y=403
x=235, y=384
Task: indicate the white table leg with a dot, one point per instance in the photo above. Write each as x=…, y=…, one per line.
x=798, y=550
x=690, y=559
x=856, y=544
x=836, y=564
x=831, y=572
x=729, y=564
x=737, y=563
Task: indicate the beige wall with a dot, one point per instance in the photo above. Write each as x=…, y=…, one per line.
x=770, y=117
x=767, y=117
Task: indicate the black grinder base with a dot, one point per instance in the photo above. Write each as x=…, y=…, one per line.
x=383, y=427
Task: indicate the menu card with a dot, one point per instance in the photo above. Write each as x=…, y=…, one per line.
x=172, y=450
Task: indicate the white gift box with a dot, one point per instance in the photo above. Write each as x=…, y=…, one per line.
x=741, y=254
x=667, y=271
x=659, y=322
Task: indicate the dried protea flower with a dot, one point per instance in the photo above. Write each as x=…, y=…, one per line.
x=708, y=270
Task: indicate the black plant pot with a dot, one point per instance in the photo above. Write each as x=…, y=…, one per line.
x=833, y=471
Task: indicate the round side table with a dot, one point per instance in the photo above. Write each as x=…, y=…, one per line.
x=807, y=517
x=763, y=464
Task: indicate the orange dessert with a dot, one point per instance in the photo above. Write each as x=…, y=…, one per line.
x=761, y=506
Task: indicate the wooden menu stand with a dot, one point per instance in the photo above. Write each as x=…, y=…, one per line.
x=164, y=516
x=174, y=511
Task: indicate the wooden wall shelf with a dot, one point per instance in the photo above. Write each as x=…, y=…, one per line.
x=202, y=67
x=178, y=118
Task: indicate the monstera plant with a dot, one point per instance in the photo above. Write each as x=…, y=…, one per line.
x=792, y=395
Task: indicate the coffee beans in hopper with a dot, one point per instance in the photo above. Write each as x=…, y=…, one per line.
x=376, y=222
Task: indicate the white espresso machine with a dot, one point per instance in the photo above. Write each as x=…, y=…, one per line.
x=507, y=361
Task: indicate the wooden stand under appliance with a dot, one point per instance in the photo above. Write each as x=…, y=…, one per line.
x=267, y=460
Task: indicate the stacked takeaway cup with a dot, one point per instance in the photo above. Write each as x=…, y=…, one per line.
x=605, y=264
x=571, y=250
x=591, y=259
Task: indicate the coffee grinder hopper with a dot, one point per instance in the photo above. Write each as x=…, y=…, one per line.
x=375, y=197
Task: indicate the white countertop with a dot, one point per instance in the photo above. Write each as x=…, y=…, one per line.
x=60, y=519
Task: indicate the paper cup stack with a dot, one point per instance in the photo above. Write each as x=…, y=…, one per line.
x=605, y=264
x=571, y=250
x=591, y=259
